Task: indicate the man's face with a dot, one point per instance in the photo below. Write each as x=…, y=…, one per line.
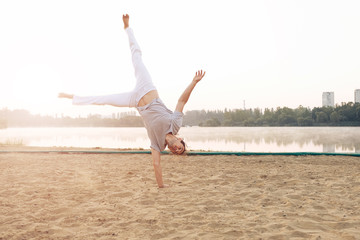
x=177, y=147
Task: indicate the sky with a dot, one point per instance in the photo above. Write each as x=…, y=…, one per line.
x=267, y=54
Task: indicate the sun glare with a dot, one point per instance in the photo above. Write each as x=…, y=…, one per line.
x=36, y=87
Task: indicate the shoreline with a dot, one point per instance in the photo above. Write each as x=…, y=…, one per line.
x=99, y=150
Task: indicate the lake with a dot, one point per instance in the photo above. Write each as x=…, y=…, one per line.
x=235, y=139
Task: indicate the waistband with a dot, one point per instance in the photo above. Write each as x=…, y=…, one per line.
x=155, y=100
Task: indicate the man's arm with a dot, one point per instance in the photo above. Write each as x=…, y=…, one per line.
x=186, y=94
x=157, y=167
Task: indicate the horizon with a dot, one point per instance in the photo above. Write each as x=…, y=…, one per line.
x=264, y=53
x=133, y=112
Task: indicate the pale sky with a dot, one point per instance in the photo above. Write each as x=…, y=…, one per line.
x=268, y=53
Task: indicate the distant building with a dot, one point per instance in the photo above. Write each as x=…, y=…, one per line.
x=328, y=99
x=357, y=96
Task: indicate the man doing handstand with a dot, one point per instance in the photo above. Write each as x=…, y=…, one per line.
x=161, y=124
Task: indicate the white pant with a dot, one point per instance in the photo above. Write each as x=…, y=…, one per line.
x=144, y=83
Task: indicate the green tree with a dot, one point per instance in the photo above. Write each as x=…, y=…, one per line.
x=213, y=122
x=286, y=116
x=357, y=111
x=307, y=121
x=268, y=117
x=347, y=111
x=322, y=117
x=335, y=117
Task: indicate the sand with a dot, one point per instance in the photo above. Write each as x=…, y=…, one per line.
x=114, y=196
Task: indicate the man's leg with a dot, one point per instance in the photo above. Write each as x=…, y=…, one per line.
x=118, y=100
x=144, y=82
x=128, y=99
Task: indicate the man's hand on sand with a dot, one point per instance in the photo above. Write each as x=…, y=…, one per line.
x=126, y=21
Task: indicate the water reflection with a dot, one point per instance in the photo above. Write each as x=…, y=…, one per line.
x=325, y=139
x=247, y=139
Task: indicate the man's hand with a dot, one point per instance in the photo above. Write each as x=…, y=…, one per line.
x=198, y=76
x=126, y=21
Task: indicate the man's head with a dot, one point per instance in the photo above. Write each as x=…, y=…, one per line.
x=176, y=145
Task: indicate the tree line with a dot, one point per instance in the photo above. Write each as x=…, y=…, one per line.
x=23, y=118
x=346, y=114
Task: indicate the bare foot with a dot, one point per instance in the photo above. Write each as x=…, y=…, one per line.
x=65, y=95
x=126, y=21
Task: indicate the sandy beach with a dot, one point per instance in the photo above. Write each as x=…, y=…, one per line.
x=115, y=196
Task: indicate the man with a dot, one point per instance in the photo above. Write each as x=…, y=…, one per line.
x=161, y=124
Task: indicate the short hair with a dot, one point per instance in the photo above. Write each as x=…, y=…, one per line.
x=183, y=143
